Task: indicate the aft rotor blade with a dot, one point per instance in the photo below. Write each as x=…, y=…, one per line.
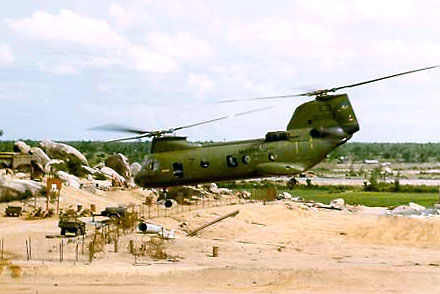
x=379, y=79
x=325, y=91
x=220, y=118
x=120, y=128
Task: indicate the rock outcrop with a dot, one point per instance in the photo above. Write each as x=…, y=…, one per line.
x=64, y=152
x=112, y=174
x=40, y=156
x=16, y=188
x=118, y=162
x=22, y=147
x=68, y=179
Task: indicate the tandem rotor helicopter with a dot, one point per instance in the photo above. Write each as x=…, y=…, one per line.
x=316, y=128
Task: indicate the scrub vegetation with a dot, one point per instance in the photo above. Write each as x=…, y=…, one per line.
x=356, y=152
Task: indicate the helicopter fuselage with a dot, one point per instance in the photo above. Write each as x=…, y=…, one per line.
x=316, y=128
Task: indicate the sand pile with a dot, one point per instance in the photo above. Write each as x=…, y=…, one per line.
x=253, y=220
x=401, y=231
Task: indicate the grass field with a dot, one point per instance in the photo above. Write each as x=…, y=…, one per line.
x=385, y=199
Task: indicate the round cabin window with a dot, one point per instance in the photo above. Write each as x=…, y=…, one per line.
x=204, y=163
x=272, y=157
x=246, y=159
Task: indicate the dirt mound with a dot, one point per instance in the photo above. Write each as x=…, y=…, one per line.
x=253, y=220
x=401, y=231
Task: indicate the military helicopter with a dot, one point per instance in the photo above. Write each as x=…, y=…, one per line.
x=316, y=128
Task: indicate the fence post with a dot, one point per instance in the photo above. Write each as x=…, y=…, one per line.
x=27, y=250
x=131, y=246
x=61, y=251
x=91, y=251
x=30, y=248
x=77, y=250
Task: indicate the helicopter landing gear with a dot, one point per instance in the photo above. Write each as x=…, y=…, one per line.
x=163, y=195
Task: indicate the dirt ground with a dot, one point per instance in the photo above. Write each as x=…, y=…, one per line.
x=279, y=247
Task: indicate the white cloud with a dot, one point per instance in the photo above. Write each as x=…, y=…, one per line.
x=68, y=26
x=58, y=69
x=6, y=55
x=145, y=60
x=346, y=12
x=285, y=37
x=404, y=52
x=200, y=83
x=103, y=88
x=181, y=46
x=133, y=15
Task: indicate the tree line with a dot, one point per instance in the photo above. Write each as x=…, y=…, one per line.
x=96, y=152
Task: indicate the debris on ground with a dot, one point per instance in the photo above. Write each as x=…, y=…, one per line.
x=232, y=214
x=150, y=228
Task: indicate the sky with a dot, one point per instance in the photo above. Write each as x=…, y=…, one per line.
x=67, y=66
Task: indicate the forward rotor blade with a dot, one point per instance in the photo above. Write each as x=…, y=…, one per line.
x=120, y=128
x=379, y=79
x=220, y=118
x=128, y=138
x=263, y=98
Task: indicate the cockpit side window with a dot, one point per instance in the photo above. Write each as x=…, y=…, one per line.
x=152, y=165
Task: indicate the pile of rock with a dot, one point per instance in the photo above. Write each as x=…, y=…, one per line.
x=69, y=165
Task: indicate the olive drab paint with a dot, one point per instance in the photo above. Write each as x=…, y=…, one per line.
x=316, y=128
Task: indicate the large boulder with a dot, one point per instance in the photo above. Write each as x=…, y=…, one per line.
x=118, y=162
x=51, y=166
x=22, y=147
x=338, y=203
x=39, y=155
x=112, y=174
x=64, y=152
x=410, y=209
x=68, y=179
x=15, y=189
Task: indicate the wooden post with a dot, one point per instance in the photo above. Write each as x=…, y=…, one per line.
x=214, y=251
x=116, y=245
x=131, y=246
x=61, y=251
x=27, y=250
x=58, y=201
x=76, y=251
x=30, y=248
x=2, y=241
x=82, y=245
x=47, y=199
x=91, y=251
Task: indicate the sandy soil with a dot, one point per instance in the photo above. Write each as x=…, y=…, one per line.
x=274, y=248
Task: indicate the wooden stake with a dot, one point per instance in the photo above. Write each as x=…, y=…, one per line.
x=30, y=248
x=27, y=250
x=131, y=246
